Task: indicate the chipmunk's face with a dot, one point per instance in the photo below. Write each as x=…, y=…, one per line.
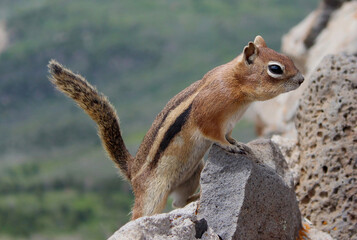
x=269, y=73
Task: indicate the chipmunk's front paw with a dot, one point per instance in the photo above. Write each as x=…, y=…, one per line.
x=236, y=148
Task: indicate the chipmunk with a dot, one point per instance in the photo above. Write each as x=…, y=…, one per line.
x=170, y=158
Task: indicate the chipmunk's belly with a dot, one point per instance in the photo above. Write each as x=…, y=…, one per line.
x=189, y=150
x=232, y=121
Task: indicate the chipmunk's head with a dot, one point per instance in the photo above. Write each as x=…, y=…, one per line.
x=267, y=73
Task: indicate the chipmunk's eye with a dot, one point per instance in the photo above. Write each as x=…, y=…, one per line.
x=276, y=69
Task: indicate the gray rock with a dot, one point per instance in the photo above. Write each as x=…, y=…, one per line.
x=327, y=139
x=243, y=199
x=180, y=224
x=269, y=154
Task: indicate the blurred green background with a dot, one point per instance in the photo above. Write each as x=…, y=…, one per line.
x=55, y=179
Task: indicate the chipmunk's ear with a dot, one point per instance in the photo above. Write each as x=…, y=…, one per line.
x=259, y=41
x=250, y=52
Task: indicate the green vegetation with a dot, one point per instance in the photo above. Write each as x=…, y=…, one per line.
x=55, y=181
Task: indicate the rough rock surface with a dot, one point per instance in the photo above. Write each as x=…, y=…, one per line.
x=327, y=139
x=243, y=199
x=180, y=224
x=330, y=29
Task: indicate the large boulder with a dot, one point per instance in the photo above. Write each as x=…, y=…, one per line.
x=249, y=196
x=324, y=155
x=327, y=145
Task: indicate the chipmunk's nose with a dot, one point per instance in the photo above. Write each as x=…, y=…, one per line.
x=301, y=79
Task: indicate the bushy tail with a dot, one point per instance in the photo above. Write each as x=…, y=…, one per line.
x=98, y=107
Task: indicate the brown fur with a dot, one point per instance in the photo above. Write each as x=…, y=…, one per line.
x=169, y=160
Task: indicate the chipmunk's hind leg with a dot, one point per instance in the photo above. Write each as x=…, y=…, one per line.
x=185, y=193
x=152, y=200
